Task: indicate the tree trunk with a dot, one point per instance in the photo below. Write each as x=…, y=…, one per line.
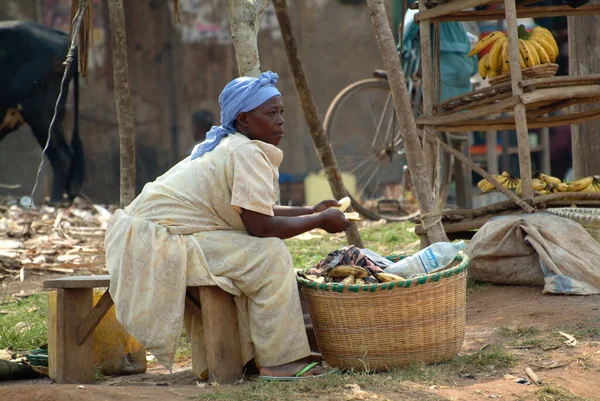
x=414, y=152
x=311, y=115
x=123, y=101
x=584, y=47
x=245, y=17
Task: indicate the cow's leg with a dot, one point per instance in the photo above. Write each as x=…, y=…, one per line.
x=59, y=152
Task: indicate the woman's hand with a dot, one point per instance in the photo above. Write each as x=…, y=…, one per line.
x=333, y=221
x=324, y=205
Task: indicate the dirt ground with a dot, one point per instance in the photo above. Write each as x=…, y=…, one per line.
x=574, y=369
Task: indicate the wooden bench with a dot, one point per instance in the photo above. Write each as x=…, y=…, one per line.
x=76, y=320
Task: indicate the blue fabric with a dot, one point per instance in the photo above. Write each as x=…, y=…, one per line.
x=456, y=67
x=241, y=95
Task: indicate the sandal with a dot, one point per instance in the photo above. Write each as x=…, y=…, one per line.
x=299, y=375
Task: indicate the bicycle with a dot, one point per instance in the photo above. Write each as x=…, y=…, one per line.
x=378, y=161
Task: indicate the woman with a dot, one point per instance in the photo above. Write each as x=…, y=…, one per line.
x=213, y=220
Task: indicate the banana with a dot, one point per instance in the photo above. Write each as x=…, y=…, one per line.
x=485, y=42
x=485, y=185
x=348, y=280
x=344, y=204
x=511, y=183
x=546, y=45
x=540, y=30
x=543, y=56
x=522, y=61
x=347, y=270
x=560, y=187
x=580, y=184
x=505, y=57
x=388, y=277
x=527, y=56
x=533, y=52
x=482, y=66
x=543, y=192
x=548, y=179
x=496, y=56
x=538, y=184
x=354, y=216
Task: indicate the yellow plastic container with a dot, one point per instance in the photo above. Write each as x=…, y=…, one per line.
x=316, y=187
x=115, y=351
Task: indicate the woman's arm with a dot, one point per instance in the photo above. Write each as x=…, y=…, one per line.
x=261, y=225
x=292, y=211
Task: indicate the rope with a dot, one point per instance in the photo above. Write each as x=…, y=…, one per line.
x=436, y=216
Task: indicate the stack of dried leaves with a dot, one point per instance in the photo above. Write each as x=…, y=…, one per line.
x=52, y=240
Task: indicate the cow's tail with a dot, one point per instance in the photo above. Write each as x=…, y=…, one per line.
x=76, y=170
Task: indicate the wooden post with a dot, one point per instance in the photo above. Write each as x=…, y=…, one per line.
x=125, y=116
x=491, y=139
x=245, y=17
x=429, y=91
x=402, y=104
x=223, y=352
x=72, y=363
x=320, y=141
x=520, y=114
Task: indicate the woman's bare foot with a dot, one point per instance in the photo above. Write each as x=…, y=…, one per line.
x=290, y=369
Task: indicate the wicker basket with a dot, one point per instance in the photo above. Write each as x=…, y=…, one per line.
x=388, y=325
x=537, y=71
x=589, y=218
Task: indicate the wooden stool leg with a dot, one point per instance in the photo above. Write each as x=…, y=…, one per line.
x=222, y=335
x=72, y=363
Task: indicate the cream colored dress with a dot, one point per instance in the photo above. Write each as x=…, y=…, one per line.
x=185, y=229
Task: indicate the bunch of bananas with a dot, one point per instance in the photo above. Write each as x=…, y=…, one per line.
x=535, y=47
x=504, y=179
x=585, y=184
x=544, y=184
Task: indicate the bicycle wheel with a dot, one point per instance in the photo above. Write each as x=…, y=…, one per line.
x=364, y=134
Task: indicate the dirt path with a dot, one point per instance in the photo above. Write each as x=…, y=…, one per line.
x=523, y=320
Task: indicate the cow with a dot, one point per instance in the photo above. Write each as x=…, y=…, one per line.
x=31, y=71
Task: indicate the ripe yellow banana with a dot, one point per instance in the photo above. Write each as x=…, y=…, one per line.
x=536, y=58
x=540, y=30
x=505, y=57
x=546, y=45
x=580, y=184
x=485, y=42
x=548, y=179
x=485, y=186
x=482, y=66
x=560, y=187
x=496, y=56
x=522, y=61
x=541, y=53
x=527, y=56
x=538, y=184
x=388, y=277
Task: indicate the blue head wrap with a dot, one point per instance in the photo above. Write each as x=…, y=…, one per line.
x=240, y=95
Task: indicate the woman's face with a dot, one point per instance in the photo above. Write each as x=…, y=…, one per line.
x=264, y=123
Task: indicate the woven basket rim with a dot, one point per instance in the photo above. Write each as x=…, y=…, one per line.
x=590, y=215
x=435, y=277
x=535, y=71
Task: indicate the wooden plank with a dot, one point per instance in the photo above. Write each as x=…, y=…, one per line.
x=222, y=335
x=561, y=80
x=505, y=104
x=447, y=8
x=72, y=363
x=92, y=320
x=533, y=122
x=571, y=92
x=78, y=282
x=522, y=12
